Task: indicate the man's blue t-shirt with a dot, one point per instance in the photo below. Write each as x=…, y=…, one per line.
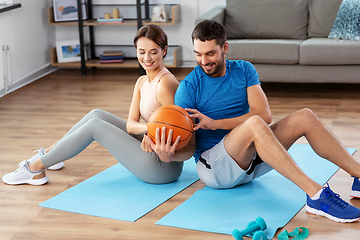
x=217, y=98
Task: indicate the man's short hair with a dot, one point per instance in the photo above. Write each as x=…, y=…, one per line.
x=208, y=30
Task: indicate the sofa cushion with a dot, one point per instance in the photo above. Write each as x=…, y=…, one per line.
x=326, y=51
x=264, y=19
x=347, y=22
x=322, y=15
x=309, y=74
x=269, y=51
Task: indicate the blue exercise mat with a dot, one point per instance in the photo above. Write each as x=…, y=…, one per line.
x=116, y=193
x=271, y=196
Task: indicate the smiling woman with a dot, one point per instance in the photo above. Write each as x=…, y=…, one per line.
x=124, y=140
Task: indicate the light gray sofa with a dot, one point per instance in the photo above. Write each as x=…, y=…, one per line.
x=287, y=40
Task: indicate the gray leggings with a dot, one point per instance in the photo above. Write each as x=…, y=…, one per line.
x=110, y=131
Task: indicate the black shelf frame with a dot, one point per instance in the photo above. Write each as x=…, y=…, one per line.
x=8, y=7
x=91, y=28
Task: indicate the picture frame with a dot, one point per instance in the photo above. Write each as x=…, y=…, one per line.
x=159, y=14
x=66, y=10
x=68, y=51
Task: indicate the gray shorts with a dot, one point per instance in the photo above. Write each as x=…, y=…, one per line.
x=217, y=169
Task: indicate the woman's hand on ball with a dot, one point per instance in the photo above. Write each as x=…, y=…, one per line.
x=145, y=144
x=163, y=147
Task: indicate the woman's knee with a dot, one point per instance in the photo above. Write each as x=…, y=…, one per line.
x=108, y=117
x=94, y=123
x=96, y=113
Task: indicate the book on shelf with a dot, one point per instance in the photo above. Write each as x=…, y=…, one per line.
x=112, y=53
x=112, y=57
x=110, y=20
x=102, y=57
x=112, y=61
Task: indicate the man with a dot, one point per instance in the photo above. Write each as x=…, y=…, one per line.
x=234, y=143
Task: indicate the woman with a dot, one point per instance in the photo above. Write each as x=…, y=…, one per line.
x=122, y=139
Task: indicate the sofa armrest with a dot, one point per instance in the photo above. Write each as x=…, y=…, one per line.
x=217, y=14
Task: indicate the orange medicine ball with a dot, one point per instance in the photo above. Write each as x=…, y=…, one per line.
x=172, y=117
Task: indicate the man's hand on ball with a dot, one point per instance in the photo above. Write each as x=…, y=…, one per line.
x=204, y=121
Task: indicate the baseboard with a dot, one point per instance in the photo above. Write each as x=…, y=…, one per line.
x=29, y=78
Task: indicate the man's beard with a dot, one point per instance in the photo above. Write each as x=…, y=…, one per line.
x=218, y=66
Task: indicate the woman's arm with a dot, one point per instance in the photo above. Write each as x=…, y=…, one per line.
x=133, y=125
x=165, y=96
x=166, y=89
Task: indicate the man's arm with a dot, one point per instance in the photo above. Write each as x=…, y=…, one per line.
x=258, y=106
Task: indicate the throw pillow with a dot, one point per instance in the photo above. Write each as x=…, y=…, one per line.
x=347, y=22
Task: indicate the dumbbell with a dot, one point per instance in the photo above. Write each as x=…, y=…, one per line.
x=254, y=227
x=259, y=234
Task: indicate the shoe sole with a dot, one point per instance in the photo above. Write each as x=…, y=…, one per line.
x=36, y=182
x=355, y=194
x=324, y=214
x=57, y=166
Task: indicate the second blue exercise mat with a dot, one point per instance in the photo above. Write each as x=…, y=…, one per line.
x=116, y=193
x=271, y=196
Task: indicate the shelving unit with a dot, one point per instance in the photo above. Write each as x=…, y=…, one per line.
x=127, y=63
x=94, y=61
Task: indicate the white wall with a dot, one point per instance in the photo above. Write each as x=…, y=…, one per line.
x=1, y=67
x=29, y=37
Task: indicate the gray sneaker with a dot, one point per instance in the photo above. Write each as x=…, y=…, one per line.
x=23, y=175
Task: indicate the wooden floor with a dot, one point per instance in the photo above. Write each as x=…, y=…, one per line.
x=40, y=113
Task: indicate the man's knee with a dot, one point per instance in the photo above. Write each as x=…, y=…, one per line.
x=307, y=115
x=307, y=112
x=253, y=124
